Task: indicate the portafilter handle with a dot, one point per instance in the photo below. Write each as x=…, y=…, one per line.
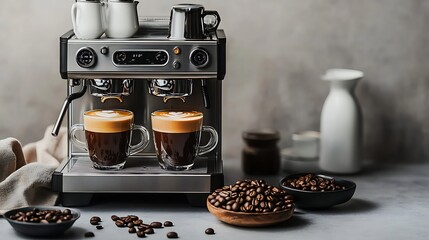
x=63, y=111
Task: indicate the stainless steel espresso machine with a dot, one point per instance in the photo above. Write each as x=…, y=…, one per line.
x=145, y=73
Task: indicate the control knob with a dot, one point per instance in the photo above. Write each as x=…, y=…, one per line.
x=199, y=57
x=86, y=57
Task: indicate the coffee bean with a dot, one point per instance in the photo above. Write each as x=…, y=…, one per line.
x=131, y=230
x=89, y=234
x=156, y=224
x=67, y=211
x=235, y=207
x=94, y=222
x=149, y=231
x=138, y=222
x=99, y=227
x=128, y=219
x=172, y=235
x=95, y=218
x=168, y=224
x=114, y=218
x=210, y=231
x=140, y=234
x=130, y=224
x=120, y=223
x=143, y=227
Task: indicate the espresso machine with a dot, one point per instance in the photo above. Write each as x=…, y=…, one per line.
x=147, y=72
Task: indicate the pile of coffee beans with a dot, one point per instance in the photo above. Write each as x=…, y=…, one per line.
x=43, y=216
x=251, y=196
x=312, y=182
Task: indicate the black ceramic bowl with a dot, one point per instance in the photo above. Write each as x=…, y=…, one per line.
x=320, y=200
x=41, y=229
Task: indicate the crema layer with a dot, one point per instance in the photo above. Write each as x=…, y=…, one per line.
x=168, y=121
x=108, y=121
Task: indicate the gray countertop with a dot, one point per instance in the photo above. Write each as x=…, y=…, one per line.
x=391, y=202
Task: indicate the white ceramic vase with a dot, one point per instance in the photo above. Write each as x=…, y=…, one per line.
x=341, y=124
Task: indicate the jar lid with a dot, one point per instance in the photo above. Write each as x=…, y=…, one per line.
x=187, y=6
x=126, y=1
x=262, y=134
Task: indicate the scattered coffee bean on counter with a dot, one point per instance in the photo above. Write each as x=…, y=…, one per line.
x=99, y=227
x=312, y=182
x=132, y=230
x=149, y=231
x=156, y=224
x=130, y=224
x=172, y=235
x=95, y=220
x=120, y=223
x=89, y=234
x=209, y=231
x=168, y=224
x=140, y=234
x=251, y=196
x=137, y=222
x=114, y=218
x=43, y=216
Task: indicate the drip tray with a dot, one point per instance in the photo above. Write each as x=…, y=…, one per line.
x=134, y=166
x=140, y=175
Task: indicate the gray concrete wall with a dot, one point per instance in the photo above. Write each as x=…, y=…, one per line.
x=277, y=49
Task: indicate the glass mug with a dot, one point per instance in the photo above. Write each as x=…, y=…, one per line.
x=177, y=136
x=108, y=136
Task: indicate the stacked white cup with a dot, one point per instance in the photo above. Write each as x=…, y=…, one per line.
x=303, y=156
x=117, y=18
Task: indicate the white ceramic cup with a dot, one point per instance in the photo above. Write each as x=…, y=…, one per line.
x=121, y=18
x=87, y=19
x=306, y=144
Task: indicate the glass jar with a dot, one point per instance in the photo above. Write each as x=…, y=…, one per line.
x=260, y=155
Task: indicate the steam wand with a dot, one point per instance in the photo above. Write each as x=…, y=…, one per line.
x=63, y=111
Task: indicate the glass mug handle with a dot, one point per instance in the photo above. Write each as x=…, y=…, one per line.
x=212, y=142
x=144, y=134
x=77, y=142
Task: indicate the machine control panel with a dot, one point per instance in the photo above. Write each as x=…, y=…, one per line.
x=140, y=57
x=86, y=57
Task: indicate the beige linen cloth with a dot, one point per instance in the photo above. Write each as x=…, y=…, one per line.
x=26, y=173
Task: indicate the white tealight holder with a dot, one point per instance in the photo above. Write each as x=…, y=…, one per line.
x=306, y=144
x=291, y=163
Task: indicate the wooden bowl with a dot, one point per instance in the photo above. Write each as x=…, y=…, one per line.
x=243, y=219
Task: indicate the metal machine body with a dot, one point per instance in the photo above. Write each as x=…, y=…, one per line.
x=142, y=74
